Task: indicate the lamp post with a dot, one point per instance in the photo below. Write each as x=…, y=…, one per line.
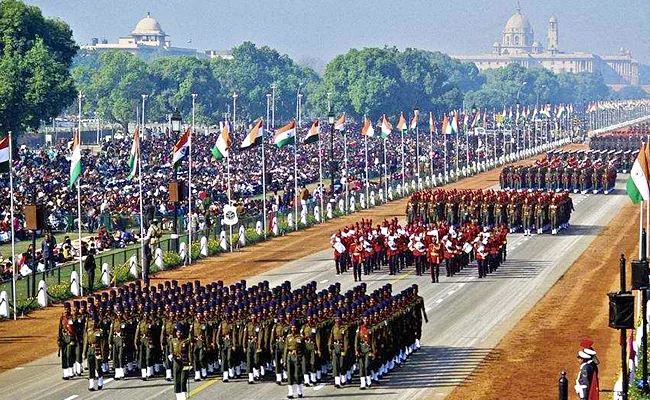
x=416, y=114
x=273, y=87
x=330, y=120
x=176, y=121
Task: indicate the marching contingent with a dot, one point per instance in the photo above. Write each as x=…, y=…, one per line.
x=302, y=335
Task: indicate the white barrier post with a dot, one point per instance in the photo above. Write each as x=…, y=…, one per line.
x=42, y=294
x=74, y=283
x=106, y=274
x=133, y=266
x=204, y=246
x=4, y=304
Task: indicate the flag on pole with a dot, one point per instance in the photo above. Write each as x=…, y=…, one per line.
x=637, y=184
x=339, y=125
x=414, y=122
x=446, y=126
x=485, y=118
x=545, y=111
x=454, y=123
x=367, y=130
x=75, y=161
x=285, y=135
x=181, y=148
x=222, y=147
x=465, y=120
x=477, y=119
x=254, y=136
x=386, y=127
x=432, y=123
x=134, y=157
x=401, y=124
x=314, y=131
x=4, y=154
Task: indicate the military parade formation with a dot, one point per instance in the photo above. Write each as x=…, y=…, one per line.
x=570, y=171
x=183, y=330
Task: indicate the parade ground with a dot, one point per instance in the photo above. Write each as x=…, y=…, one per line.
x=498, y=324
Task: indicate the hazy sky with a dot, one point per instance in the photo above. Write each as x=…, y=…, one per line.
x=325, y=28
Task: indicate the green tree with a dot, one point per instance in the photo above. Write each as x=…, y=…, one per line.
x=631, y=92
x=36, y=53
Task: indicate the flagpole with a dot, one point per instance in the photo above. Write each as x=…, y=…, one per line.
x=189, y=188
x=385, y=173
x=467, y=146
x=403, y=160
x=444, y=135
x=13, y=233
x=417, y=148
x=234, y=128
x=431, y=152
x=457, y=147
x=347, y=172
x=365, y=143
x=640, y=227
x=139, y=161
x=268, y=111
x=81, y=290
x=295, y=160
x=320, y=172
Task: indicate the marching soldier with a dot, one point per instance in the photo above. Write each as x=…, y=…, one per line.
x=337, y=344
x=363, y=350
x=167, y=333
x=181, y=356
x=226, y=340
x=144, y=344
x=92, y=351
x=253, y=346
x=117, y=337
x=67, y=341
x=293, y=352
x=311, y=337
x=199, y=337
x=278, y=335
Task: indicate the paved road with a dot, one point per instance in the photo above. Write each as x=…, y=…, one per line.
x=467, y=318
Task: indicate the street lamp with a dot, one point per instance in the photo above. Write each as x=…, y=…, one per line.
x=176, y=121
x=330, y=119
x=416, y=114
x=519, y=90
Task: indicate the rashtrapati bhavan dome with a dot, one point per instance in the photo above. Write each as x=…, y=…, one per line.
x=518, y=45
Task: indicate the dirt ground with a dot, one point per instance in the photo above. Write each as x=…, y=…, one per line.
x=527, y=362
x=34, y=336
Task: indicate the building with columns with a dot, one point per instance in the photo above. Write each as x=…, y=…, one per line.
x=148, y=40
x=518, y=45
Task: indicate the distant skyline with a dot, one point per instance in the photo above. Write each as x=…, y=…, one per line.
x=321, y=30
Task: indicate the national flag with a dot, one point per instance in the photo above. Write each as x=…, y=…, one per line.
x=446, y=126
x=4, y=154
x=454, y=123
x=477, y=119
x=386, y=127
x=314, y=131
x=414, y=121
x=485, y=118
x=535, y=113
x=134, y=156
x=180, y=148
x=637, y=184
x=367, y=130
x=254, y=136
x=465, y=120
x=432, y=123
x=401, y=124
x=285, y=135
x=545, y=111
x=339, y=125
x=76, y=167
x=561, y=110
x=221, y=149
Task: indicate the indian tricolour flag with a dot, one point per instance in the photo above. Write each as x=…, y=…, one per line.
x=339, y=125
x=367, y=130
x=222, y=147
x=637, y=183
x=401, y=124
x=134, y=157
x=4, y=154
x=254, y=136
x=181, y=148
x=75, y=161
x=285, y=135
x=312, y=135
x=386, y=127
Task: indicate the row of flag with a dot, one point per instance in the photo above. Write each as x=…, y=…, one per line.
x=616, y=105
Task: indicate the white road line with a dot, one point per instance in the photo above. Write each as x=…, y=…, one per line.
x=18, y=368
x=451, y=292
x=108, y=380
x=319, y=387
x=427, y=309
x=324, y=281
x=462, y=284
x=439, y=301
x=74, y=396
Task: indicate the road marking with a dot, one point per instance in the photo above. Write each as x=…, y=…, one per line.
x=463, y=284
x=18, y=368
x=324, y=281
x=402, y=277
x=319, y=387
x=427, y=309
x=451, y=292
x=108, y=380
x=204, y=386
x=439, y=301
x=74, y=396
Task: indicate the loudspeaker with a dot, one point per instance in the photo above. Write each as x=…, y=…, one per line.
x=621, y=310
x=640, y=274
x=176, y=191
x=34, y=217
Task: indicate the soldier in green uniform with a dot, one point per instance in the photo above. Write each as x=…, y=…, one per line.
x=199, y=338
x=310, y=336
x=253, y=346
x=278, y=335
x=363, y=350
x=166, y=335
x=80, y=327
x=181, y=356
x=116, y=336
x=337, y=343
x=92, y=351
x=105, y=325
x=67, y=341
x=144, y=344
x=293, y=351
x=226, y=344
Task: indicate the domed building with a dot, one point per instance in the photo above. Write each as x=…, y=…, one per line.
x=148, y=40
x=518, y=45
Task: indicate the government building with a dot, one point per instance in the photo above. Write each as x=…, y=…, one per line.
x=148, y=40
x=518, y=45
